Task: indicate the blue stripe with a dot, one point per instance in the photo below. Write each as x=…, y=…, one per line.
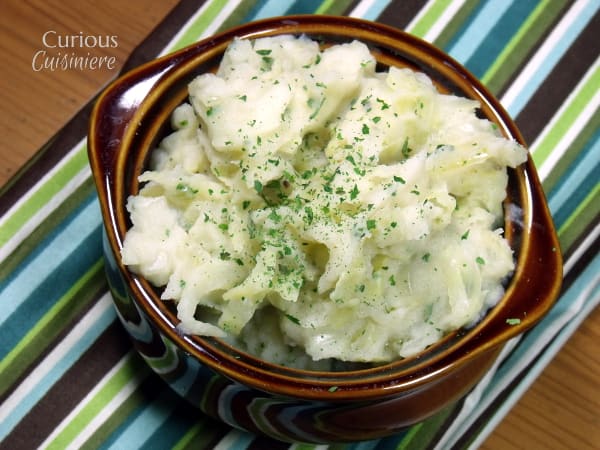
x=391, y=442
x=577, y=183
x=538, y=346
x=481, y=20
x=266, y=8
x=177, y=424
x=140, y=425
x=42, y=259
x=60, y=367
x=375, y=9
x=366, y=445
x=552, y=58
x=242, y=441
x=304, y=7
x=271, y=8
x=48, y=272
x=497, y=39
x=534, y=341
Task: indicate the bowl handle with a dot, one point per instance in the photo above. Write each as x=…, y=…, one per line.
x=539, y=273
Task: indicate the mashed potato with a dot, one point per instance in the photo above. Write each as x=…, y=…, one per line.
x=309, y=207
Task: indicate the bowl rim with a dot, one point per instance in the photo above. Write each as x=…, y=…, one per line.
x=390, y=378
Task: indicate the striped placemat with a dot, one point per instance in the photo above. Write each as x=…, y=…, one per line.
x=70, y=379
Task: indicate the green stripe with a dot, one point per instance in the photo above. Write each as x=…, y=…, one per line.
x=134, y=367
x=146, y=397
x=201, y=435
x=574, y=227
x=37, y=339
x=410, y=436
x=333, y=7
x=49, y=224
x=237, y=15
x=573, y=151
x=455, y=24
x=196, y=28
x=430, y=17
x=134, y=402
x=43, y=195
x=567, y=118
x=187, y=439
x=520, y=45
x=422, y=434
x=164, y=361
x=25, y=168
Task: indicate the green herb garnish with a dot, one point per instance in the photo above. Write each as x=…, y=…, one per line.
x=293, y=319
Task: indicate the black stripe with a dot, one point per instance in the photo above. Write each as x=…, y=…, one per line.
x=76, y=129
x=540, y=40
x=46, y=228
x=487, y=414
x=76, y=383
x=400, y=13
x=86, y=299
x=158, y=39
x=350, y=7
x=560, y=82
x=263, y=443
x=454, y=411
x=586, y=258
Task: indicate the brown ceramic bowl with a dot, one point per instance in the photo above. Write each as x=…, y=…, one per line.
x=287, y=404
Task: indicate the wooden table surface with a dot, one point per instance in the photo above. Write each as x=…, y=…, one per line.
x=562, y=408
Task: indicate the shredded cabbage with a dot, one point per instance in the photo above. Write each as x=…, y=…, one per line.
x=309, y=205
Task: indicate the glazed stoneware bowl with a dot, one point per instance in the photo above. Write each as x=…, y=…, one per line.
x=132, y=115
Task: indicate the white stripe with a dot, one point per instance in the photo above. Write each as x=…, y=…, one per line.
x=588, y=113
x=439, y=25
x=211, y=29
x=170, y=46
x=369, y=9
x=568, y=328
x=556, y=332
x=85, y=173
x=361, y=9
x=34, y=221
x=53, y=362
x=424, y=10
x=138, y=432
x=545, y=51
x=558, y=114
x=475, y=397
x=581, y=249
x=473, y=36
x=271, y=8
x=220, y=18
x=106, y=412
x=232, y=438
x=20, y=288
